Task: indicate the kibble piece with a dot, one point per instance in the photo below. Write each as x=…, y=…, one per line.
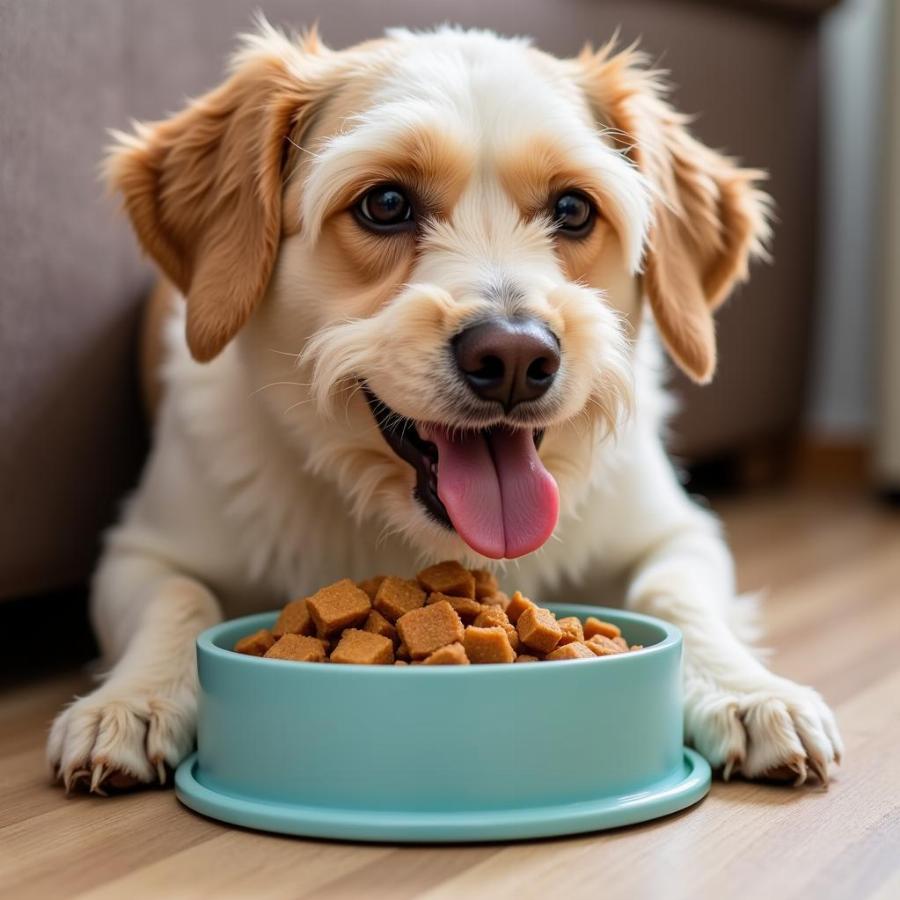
x=363, y=648
x=429, y=628
x=448, y=578
x=516, y=606
x=451, y=655
x=594, y=626
x=496, y=599
x=397, y=596
x=538, y=629
x=494, y=615
x=574, y=650
x=339, y=605
x=297, y=647
x=621, y=642
x=488, y=645
x=371, y=585
x=378, y=624
x=400, y=662
x=466, y=608
x=601, y=645
x=485, y=583
x=571, y=630
x=294, y=619
x=526, y=657
x=255, y=644
x=636, y=647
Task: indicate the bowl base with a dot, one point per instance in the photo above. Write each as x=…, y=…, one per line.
x=686, y=788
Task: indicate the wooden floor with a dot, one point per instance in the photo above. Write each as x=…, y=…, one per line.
x=833, y=617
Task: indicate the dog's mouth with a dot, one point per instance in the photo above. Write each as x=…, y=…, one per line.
x=487, y=484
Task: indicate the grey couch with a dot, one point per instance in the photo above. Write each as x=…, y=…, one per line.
x=71, y=281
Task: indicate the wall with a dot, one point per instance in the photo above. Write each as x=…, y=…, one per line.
x=887, y=458
x=842, y=402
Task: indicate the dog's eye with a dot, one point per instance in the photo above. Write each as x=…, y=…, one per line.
x=573, y=214
x=385, y=208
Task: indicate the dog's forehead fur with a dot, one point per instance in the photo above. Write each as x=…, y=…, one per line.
x=467, y=116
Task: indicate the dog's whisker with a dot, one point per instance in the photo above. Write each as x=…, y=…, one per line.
x=294, y=406
x=272, y=384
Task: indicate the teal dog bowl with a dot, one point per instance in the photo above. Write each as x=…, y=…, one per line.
x=443, y=753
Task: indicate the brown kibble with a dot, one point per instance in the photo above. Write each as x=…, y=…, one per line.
x=363, y=648
x=427, y=629
x=494, y=615
x=371, y=585
x=571, y=630
x=397, y=596
x=485, y=583
x=376, y=623
x=538, y=629
x=601, y=645
x=255, y=644
x=338, y=606
x=594, y=626
x=298, y=648
x=497, y=599
x=294, y=619
x=449, y=615
x=451, y=655
x=574, y=650
x=488, y=645
x=516, y=606
x=466, y=608
x=448, y=578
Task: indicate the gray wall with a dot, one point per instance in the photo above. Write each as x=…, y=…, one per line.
x=842, y=402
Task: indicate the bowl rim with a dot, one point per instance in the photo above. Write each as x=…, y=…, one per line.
x=206, y=646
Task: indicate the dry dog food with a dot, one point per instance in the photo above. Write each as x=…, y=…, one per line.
x=297, y=647
x=448, y=578
x=255, y=644
x=396, y=597
x=363, y=648
x=488, y=644
x=447, y=616
x=429, y=628
x=338, y=606
x=295, y=618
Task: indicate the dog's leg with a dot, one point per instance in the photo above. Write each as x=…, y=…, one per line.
x=141, y=720
x=738, y=714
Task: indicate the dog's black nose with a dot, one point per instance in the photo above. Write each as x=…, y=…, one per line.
x=508, y=360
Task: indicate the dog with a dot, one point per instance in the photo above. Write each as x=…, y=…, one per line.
x=420, y=291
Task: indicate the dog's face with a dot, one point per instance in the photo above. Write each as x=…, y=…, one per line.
x=453, y=234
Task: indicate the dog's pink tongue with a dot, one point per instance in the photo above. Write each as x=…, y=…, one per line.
x=500, y=498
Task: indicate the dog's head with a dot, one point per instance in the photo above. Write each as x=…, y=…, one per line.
x=454, y=233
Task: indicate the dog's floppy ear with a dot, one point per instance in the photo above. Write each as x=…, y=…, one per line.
x=203, y=188
x=709, y=217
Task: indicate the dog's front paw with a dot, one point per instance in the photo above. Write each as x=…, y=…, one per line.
x=122, y=737
x=776, y=730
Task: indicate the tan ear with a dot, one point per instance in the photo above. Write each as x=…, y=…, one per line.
x=709, y=217
x=203, y=189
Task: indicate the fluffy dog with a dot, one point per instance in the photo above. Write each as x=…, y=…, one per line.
x=420, y=286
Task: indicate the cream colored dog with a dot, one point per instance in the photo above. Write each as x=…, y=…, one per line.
x=422, y=282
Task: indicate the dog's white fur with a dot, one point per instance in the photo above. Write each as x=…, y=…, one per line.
x=268, y=477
